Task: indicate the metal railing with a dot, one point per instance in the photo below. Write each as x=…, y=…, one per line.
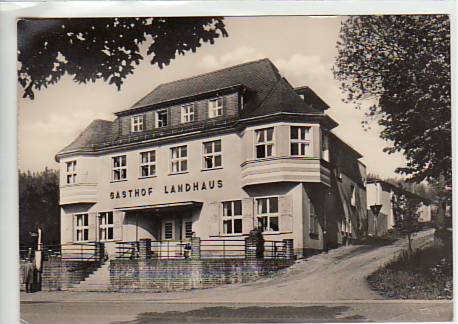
x=127, y=250
x=80, y=251
x=222, y=249
x=274, y=250
x=165, y=249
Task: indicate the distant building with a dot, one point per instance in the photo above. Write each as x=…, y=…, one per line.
x=216, y=154
x=381, y=193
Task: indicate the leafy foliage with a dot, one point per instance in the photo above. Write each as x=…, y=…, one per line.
x=405, y=210
x=403, y=64
x=104, y=48
x=39, y=206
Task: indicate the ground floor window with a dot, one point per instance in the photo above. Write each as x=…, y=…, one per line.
x=82, y=227
x=168, y=230
x=187, y=229
x=106, y=226
x=346, y=226
x=232, y=217
x=267, y=214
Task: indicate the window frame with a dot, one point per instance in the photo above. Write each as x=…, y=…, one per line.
x=353, y=196
x=137, y=123
x=212, y=109
x=70, y=173
x=106, y=226
x=212, y=155
x=265, y=143
x=187, y=114
x=156, y=119
x=179, y=159
x=301, y=141
x=269, y=214
x=83, y=229
x=147, y=164
x=119, y=168
x=232, y=218
x=325, y=152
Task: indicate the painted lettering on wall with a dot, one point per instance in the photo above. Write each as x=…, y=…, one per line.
x=168, y=189
x=193, y=186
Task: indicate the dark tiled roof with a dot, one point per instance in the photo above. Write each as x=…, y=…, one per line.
x=267, y=91
x=99, y=131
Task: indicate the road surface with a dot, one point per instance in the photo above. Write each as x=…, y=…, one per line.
x=328, y=287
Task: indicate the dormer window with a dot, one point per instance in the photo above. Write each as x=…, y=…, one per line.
x=161, y=118
x=136, y=123
x=215, y=107
x=187, y=113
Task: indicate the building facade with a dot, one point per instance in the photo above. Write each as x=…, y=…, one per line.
x=215, y=155
x=381, y=193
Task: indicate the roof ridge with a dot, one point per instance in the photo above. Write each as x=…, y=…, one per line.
x=205, y=74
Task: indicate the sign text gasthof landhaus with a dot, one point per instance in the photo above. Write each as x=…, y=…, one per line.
x=216, y=154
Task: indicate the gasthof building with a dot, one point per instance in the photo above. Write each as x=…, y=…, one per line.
x=216, y=155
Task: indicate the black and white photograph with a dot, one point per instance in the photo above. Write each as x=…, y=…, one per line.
x=235, y=169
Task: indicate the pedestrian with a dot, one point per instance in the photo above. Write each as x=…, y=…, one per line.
x=29, y=272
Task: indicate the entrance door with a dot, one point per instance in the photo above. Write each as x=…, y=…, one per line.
x=168, y=229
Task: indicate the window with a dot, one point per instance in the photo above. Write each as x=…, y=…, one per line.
x=187, y=229
x=179, y=159
x=353, y=196
x=71, y=172
x=147, y=164
x=119, y=167
x=325, y=146
x=232, y=217
x=106, y=226
x=314, y=224
x=168, y=230
x=267, y=213
x=82, y=227
x=215, y=107
x=300, y=141
x=212, y=157
x=346, y=226
x=161, y=118
x=136, y=123
x=264, y=142
x=187, y=113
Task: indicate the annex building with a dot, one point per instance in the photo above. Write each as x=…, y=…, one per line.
x=214, y=156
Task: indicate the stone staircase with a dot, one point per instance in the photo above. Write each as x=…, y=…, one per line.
x=99, y=280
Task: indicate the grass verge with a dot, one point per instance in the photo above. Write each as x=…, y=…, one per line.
x=426, y=274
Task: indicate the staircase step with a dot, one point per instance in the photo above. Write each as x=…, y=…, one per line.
x=99, y=280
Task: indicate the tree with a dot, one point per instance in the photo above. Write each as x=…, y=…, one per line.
x=405, y=210
x=39, y=206
x=104, y=48
x=403, y=64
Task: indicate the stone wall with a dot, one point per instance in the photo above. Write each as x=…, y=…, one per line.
x=156, y=275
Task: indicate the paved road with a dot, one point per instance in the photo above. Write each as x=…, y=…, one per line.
x=326, y=287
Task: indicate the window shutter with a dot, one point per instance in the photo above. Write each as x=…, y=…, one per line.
x=215, y=218
x=73, y=216
x=285, y=209
x=247, y=215
x=92, y=220
x=118, y=219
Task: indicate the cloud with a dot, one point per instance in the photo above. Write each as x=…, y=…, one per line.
x=237, y=56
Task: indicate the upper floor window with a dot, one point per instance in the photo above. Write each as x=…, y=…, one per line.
x=119, y=167
x=82, y=227
x=232, y=217
x=136, y=123
x=187, y=113
x=325, y=146
x=300, y=141
x=264, y=142
x=106, y=226
x=212, y=157
x=267, y=213
x=215, y=107
x=353, y=196
x=148, y=164
x=71, y=172
x=161, y=118
x=179, y=159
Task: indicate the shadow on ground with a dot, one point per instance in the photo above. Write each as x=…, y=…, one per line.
x=252, y=314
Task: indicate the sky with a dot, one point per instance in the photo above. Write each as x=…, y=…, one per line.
x=302, y=48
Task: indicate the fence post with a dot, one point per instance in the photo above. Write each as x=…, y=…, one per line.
x=288, y=247
x=254, y=245
x=195, y=248
x=99, y=252
x=145, y=248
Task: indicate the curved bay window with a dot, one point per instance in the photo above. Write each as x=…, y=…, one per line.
x=300, y=141
x=264, y=142
x=267, y=213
